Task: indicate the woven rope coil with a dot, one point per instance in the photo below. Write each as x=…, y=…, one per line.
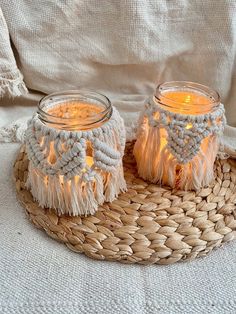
x=147, y=224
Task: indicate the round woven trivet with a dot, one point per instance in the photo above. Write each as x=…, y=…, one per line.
x=148, y=224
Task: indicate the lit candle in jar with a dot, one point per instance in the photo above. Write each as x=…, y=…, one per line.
x=74, y=116
x=75, y=144
x=178, y=138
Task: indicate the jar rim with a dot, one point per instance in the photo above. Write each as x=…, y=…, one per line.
x=187, y=85
x=81, y=94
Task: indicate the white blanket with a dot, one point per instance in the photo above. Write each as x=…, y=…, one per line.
x=120, y=48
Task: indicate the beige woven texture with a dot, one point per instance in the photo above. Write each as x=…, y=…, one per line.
x=148, y=224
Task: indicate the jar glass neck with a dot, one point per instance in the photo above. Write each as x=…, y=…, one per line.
x=186, y=98
x=75, y=110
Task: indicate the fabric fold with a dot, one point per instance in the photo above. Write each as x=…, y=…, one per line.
x=11, y=79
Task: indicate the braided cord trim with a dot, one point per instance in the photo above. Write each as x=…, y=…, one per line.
x=185, y=133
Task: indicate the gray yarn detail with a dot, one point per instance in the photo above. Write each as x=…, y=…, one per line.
x=182, y=142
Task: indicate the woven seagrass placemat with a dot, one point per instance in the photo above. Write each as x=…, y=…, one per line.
x=147, y=224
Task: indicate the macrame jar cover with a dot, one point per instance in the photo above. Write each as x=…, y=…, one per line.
x=177, y=148
x=74, y=168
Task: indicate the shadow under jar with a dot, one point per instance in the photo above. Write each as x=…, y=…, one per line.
x=178, y=135
x=75, y=144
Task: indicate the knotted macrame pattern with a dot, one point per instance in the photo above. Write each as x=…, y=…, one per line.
x=178, y=149
x=60, y=176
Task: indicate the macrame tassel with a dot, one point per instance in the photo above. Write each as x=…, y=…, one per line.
x=73, y=197
x=99, y=188
x=12, y=84
x=37, y=184
x=142, y=151
x=115, y=183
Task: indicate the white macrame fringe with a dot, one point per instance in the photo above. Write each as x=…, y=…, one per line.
x=157, y=165
x=12, y=84
x=75, y=197
x=14, y=132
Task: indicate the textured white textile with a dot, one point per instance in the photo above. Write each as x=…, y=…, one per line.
x=121, y=48
x=11, y=80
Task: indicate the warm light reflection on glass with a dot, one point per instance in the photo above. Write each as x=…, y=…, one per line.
x=183, y=98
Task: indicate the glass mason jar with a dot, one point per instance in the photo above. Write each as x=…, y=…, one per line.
x=75, y=144
x=75, y=110
x=178, y=136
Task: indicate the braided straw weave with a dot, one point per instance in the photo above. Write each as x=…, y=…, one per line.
x=147, y=224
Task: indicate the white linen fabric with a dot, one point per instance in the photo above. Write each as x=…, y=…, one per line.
x=11, y=80
x=123, y=49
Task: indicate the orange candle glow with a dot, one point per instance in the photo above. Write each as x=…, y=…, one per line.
x=75, y=143
x=177, y=141
x=77, y=111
